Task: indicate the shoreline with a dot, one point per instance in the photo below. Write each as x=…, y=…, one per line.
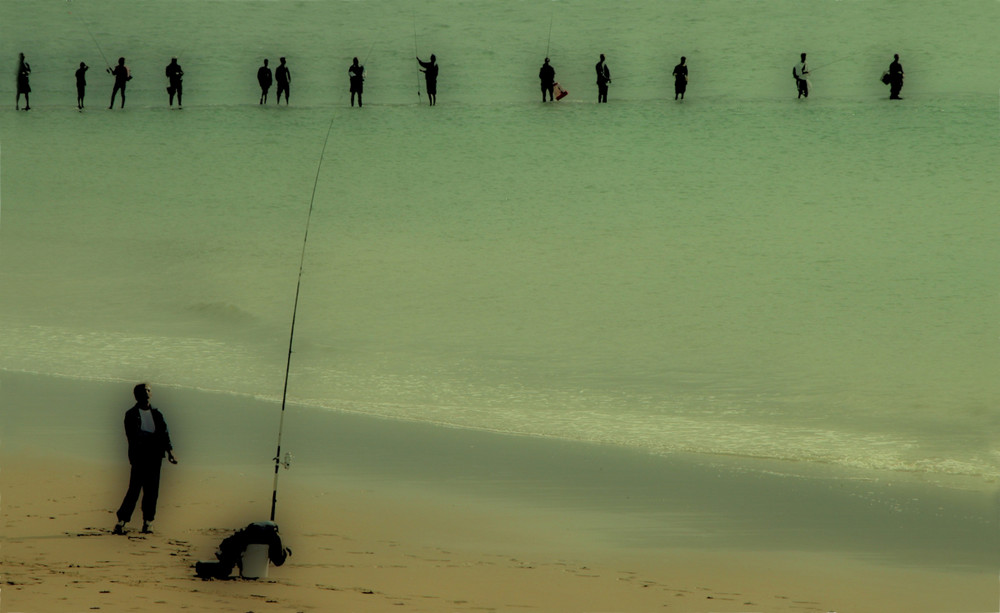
x=267, y=408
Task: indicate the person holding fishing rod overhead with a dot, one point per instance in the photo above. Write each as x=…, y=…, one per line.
x=430, y=70
x=122, y=76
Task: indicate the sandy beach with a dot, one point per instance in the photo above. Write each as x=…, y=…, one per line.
x=364, y=543
x=360, y=551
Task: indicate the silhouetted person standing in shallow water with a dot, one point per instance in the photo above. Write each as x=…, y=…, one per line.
x=680, y=79
x=895, y=78
x=547, y=75
x=264, y=79
x=357, y=75
x=284, y=79
x=430, y=70
x=603, y=78
x=122, y=77
x=81, y=84
x=800, y=71
x=174, y=74
x=23, y=86
x=148, y=441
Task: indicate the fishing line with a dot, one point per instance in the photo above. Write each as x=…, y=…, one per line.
x=846, y=57
x=369, y=54
x=291, y=335
x=93, y=38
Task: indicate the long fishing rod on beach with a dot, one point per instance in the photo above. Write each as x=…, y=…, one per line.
x=291, y=336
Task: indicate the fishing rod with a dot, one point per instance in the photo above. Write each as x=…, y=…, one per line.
x=291, y=335
x=369, y=54
x=548, y=43
x=416, y=53
x=364, y=73
x=93, y=38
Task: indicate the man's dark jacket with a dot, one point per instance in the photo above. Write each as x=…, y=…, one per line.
x=145, y=445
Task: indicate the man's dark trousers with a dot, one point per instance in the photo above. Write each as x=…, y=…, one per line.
x=145, y=477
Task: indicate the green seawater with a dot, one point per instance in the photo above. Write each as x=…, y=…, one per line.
x=741, y=273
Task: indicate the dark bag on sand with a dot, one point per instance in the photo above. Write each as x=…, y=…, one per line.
x=212, y=569
x=231, y=550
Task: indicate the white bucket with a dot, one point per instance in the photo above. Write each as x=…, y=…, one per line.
x=255, y=561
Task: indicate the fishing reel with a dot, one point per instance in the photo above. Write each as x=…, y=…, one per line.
x=286, y=463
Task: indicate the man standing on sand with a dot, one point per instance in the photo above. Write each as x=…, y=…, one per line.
x=148, y=441
x=264, y=79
